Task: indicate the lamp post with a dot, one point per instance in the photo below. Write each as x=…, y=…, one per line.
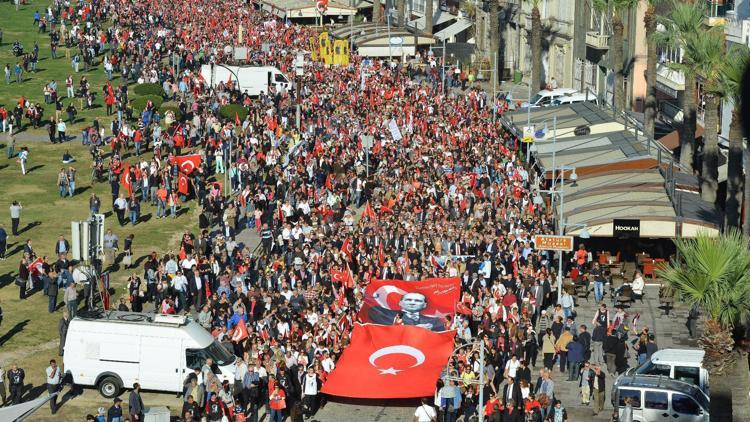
x=480, y=382
x=561, y=219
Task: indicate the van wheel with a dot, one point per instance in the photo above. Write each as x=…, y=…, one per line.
x=109, y=387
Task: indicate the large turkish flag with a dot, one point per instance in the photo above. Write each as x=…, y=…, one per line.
x=382, y=300
x=388, y=362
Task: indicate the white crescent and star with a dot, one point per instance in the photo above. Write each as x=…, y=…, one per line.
x=381, y=295
x=400, y=349
x=187, y=166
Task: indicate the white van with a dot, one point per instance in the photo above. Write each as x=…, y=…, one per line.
x=251, y=79
x=657, y=398
x=575, y=97
x=680, y=364
x=545, y=97
x=112, y=350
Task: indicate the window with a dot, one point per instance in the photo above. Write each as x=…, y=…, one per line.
x=635, y=397
x=688, y=374
x=280, y=78
x=650, y=368
x=656, y=400
x=685, y=405
x=195, y=358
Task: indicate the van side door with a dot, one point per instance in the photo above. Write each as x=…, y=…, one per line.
x=655, y=405
x=160, y=364
x=686, y=409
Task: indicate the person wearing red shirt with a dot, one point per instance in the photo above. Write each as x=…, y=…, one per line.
x=277, y=402
x=581, y=257
x=493, y=409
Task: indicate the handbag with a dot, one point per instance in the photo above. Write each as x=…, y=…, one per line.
x=127, y=260
x=20, y=282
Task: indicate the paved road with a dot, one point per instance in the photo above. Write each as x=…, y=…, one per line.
x=670, y=332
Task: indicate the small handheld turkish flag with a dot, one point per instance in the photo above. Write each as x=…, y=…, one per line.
x=398, y=361
x=239, y=333
x=236, y=119
x=188, y=163
x=182, y=184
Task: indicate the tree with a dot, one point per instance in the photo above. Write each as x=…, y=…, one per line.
x=376, y=12
x=706, y=53
x=400, y=10
x=428, y=17
x=730, y=85
x=649, y=112
x=714, y=276
x=536, y=46
x=617, y=9
x=495, y=37
x=683, y=23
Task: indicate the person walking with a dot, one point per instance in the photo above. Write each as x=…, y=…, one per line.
x=53, y=289
x=62, y=330
x=114, y=414
x=135, y=403
x=71, y=299
x=598, y=387
x=54, y=377
x=16, y=377
x=23, y=158
x=15, y=216
x=61, y=128
x=121, y=205
x=425, y=412
x=3, y=242
x=3, y=395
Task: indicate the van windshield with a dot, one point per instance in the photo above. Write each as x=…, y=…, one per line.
x=195, y=358
x=650, y=368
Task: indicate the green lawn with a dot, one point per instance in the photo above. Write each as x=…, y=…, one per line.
x=27, y=323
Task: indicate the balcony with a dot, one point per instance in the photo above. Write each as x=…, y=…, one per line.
x=669, y=81
x=597, y=41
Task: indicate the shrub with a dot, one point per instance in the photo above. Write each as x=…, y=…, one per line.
x=227, y=112
x=173, y=107
x=139, y=104
x=149, y=89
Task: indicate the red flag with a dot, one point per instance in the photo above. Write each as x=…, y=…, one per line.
x=397, y=362
x=382, y=302
x=34, y=266
x=239, y=333
x=188, y=163
x=347, y=248
x=369, y=213
x=236, y=119
x=381, y=255
x=125, y=179
x=342, y=277
x=182, y=184
x=105, y=294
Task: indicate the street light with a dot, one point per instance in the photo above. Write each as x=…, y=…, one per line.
x=561, y=217
x=480, y=382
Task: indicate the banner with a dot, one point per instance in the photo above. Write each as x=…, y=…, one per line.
x=385, y=362
x=423, y=303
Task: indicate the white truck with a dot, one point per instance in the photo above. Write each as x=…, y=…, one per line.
x=113, y=350
x=251, y=79
x=684, y=365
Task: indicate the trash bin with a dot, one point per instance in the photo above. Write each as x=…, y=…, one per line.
x=156, y=414
x=517, y=76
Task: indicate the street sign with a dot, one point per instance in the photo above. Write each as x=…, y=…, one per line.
x=528, y=134
x=367, y=141
x=553, y=243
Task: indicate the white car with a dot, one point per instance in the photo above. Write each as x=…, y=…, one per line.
x=545, y=97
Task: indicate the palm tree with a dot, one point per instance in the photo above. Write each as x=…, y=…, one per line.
x=400, y=9
x=730, y=85
x=376, y=12
x=714, y=277
x=618, y=9
x=536, y=46
x=649, y=112
x=428, y=17
x=706, y=52
x=684, y=23
x=495, y=36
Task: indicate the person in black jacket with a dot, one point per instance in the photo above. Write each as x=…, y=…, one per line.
x=16, y=376
x=513, y=412
x=598, y=389
x=512, y=392
x=115, y=411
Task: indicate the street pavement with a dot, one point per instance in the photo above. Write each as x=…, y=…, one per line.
x=670, y=332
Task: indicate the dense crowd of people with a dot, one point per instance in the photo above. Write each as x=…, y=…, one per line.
x=445, y=193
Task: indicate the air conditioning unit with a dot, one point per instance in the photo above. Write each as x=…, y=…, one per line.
x=170, y=319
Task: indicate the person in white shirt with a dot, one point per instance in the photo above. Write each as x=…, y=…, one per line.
x=54, y=376
x=327, y=363
x=638, y=285
x=512, y=366
x=425, y=413
x=310, y=384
